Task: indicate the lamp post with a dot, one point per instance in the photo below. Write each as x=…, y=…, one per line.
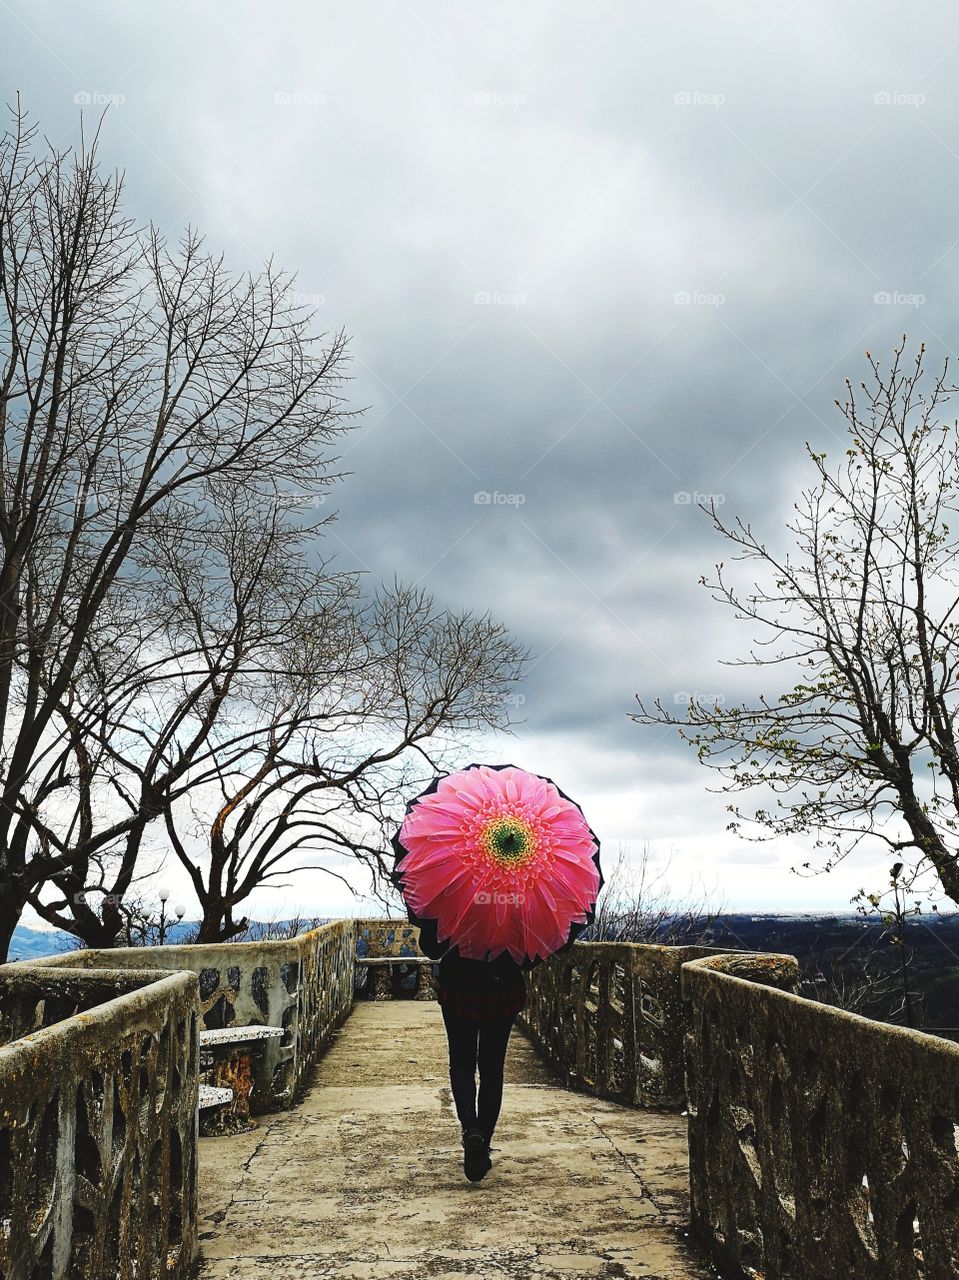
x=163, y=895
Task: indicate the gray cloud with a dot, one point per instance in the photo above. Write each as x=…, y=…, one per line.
x=588, y=256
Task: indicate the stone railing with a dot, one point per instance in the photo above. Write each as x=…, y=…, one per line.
x=609, y=1017
x=378, y=938
x=302, y=984
x=822, y=1145
x=98, y=1106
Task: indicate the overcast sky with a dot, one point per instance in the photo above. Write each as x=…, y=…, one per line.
x=593, y=258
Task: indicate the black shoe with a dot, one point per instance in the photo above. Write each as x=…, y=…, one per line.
x=476, y=1161
x=474, y=1129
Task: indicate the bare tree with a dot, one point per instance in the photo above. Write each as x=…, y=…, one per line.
x=135, y=380
x=325, y=754
x=276, y=930
x=268, y=712
x=637, y=904
x=868, y=734
x=148, y=699
x=895, y=917
x=135, y=910
x=859, y=982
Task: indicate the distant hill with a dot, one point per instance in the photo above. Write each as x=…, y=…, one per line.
x=31, y=944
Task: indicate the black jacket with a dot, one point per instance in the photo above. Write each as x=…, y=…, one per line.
x=459, y=974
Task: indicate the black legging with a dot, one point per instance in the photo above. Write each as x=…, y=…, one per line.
x=475, y=1044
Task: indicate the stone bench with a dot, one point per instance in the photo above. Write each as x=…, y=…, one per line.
x=228, y=1053
x=384, y=967
x=212, y=1096
x=238, y=1035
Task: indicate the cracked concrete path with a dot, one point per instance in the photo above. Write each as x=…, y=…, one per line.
x=364, y=1178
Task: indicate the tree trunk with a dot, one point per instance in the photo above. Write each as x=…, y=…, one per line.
x=217, y=924
x=11, y=909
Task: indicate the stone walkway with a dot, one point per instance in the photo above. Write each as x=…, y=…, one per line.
x=364, y=1178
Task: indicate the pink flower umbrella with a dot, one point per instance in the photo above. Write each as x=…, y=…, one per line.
x=493, y=859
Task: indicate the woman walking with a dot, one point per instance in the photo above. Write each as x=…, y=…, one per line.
x=492, y=861
x=479, y=1000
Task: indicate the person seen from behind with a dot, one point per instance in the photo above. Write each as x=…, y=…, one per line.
x=480, y=1000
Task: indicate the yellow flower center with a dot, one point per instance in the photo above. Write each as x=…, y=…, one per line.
x=508, y=840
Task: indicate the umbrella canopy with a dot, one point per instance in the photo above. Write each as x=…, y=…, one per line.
x=493, y=859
